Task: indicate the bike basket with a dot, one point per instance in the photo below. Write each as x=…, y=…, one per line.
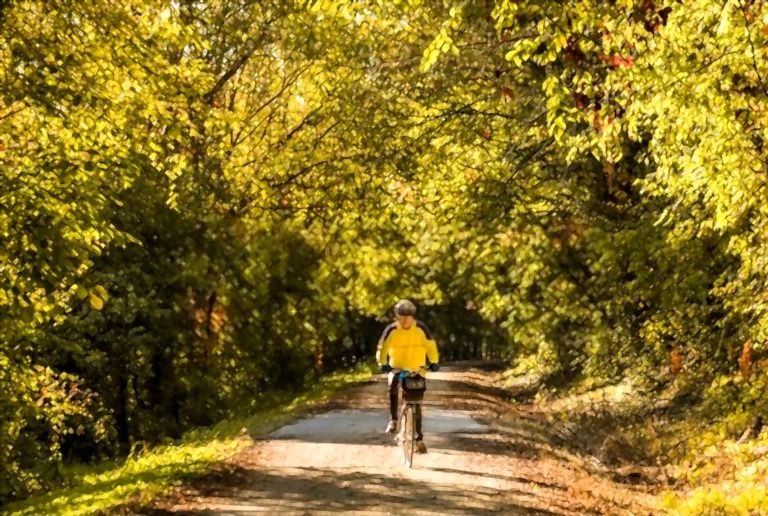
x=413, y=387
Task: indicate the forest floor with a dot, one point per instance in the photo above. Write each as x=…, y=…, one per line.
x=486, y=454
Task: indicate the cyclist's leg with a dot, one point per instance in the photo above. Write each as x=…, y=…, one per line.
x=417, y=420
x=420, y=446
x=393, y=382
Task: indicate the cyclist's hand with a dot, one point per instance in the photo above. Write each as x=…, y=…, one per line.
x=433, y=367
x=385, y=368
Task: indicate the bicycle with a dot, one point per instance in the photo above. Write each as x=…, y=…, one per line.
x=412, y=387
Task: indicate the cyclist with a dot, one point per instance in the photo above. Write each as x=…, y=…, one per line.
x=405, y=344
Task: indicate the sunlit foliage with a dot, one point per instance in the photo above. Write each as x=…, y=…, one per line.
x=201, y=201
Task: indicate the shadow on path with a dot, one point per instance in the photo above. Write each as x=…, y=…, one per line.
x=339, y=460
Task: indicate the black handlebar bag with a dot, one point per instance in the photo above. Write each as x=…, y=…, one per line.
x=414, y=387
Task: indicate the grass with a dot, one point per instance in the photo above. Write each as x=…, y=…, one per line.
x=726, y=477
x=693, y=443
x=140, y=479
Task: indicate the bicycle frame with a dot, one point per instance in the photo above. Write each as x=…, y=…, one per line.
x=406, y=422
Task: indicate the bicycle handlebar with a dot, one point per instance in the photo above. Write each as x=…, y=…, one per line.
x=386, y=368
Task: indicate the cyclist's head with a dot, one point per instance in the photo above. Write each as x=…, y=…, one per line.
x=405, y=310
x=405, y=307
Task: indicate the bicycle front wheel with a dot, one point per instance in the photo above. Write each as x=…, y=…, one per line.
x=407, y=434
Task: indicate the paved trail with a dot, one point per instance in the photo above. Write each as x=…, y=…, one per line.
x=485, y=456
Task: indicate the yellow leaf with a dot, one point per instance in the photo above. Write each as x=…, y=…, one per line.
x=97, y=303
x=101, y=292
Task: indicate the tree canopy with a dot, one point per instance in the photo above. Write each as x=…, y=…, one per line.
x=205, y=201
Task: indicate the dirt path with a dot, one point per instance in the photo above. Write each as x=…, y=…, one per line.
x=485, y=455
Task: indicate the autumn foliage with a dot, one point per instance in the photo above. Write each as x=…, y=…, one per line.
x=202, y=203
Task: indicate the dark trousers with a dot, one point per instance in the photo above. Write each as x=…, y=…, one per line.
x=393, y=384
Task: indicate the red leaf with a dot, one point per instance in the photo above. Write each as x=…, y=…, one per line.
x=506, y=94
x=581, y=100
x=745, y=359
x=676, y=361
x=619, y=60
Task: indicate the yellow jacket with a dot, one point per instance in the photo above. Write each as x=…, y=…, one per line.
x=407, y=348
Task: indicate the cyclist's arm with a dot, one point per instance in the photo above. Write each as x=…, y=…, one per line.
x=430, y=346
x=382, y=351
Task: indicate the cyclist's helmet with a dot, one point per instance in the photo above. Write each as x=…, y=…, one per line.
x=405, y=307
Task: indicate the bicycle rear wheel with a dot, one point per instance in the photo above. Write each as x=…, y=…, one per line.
x=407, y=434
